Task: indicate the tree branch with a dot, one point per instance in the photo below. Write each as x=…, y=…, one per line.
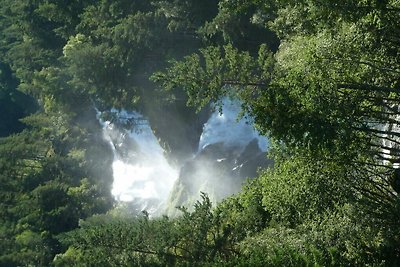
x=367, y=87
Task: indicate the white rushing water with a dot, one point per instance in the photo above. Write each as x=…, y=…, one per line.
x=141, y=171
x=390, y=141
x=225, y=128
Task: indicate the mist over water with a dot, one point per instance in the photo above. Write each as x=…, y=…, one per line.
x=140, y=170
x=142, y=174
x=225, y=128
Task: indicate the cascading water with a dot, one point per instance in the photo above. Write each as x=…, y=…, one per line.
x=229, y=151
x=140, y=170
x=389, y=136
x=228, y=148
x=225, y=128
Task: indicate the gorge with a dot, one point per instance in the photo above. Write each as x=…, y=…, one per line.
x=145, y=177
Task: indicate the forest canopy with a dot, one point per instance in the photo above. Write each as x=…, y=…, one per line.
x=321, y=79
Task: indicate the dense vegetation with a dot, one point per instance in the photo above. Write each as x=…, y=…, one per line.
x=320, y=78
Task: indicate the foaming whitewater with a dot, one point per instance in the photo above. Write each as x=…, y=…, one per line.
x=224, y=127
x=141, y=172
x=228, y=150
x=390, y=140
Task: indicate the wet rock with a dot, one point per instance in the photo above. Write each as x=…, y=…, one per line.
x=251, y=160
x=217, y=170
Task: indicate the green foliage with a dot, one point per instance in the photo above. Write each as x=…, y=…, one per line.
x=244, y=215
x=216, y=72
x=13, y=104
x=303, y=187
x=318, y=90
x=339, y=238
x=238, y=22
x=195, y=239
x=328, y=96
x=67, y=56
x=45, y=187
x=326, y=93
x=187, y=16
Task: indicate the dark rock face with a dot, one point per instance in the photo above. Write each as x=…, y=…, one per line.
x=217, y=170
x=178, y=129
x=251, y=160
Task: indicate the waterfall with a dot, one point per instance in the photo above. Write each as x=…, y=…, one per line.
x=143, y=176
x=140, y=170
x=224, y=127
x=389, y=139
x=229, y=151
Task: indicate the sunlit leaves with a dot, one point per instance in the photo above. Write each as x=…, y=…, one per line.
x=217, y=72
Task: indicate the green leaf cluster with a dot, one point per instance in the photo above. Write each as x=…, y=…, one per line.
x=320, y=78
